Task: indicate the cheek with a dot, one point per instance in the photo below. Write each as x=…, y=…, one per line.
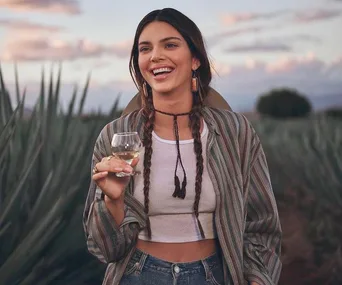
x=143, y=63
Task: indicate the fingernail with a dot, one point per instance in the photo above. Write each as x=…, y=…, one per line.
x=118, y=169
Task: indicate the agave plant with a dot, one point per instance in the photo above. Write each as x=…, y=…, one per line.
x=305, y=159
x=44, y=178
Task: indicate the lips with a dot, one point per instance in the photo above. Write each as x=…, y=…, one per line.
x=161, y=72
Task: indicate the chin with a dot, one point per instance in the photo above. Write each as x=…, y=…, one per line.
x=163, y=90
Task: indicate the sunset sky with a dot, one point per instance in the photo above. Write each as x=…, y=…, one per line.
x=253, y=45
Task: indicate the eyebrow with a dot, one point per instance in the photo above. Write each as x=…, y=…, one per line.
x=162, y=40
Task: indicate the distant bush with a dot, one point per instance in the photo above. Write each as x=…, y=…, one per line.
x=335, y=113
x=283, y=103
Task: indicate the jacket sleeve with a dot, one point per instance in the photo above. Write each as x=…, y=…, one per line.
x=262, y=236
x=106, y=240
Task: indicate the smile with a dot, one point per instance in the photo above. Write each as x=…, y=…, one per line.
x=161, y=70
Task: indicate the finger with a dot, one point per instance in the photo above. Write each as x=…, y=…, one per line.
x=100, y=175
x=135, y=161
x=113, y=165
x=106, y=158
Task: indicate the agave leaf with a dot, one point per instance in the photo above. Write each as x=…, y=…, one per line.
x=57, y=89
x=35, y=212
x=17, y=89
x=7, y=130
x=4, y=228
x=17, y=191
x=5, y=102
x=84, y=94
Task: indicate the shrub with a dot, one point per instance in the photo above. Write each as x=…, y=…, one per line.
x=335, y=113
x=283, y=103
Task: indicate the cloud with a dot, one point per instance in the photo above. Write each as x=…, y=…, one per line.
x=281, y=44
x=260, y=47
x=308, y=74
x=28, y=26
x=49, y=6
x=43, y=49
x=240, y=84
x=215, y=39
x=302, y=16
x=316, y=15
x=232, y=19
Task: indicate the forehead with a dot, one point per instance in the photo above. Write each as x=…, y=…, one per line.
x=156, y=31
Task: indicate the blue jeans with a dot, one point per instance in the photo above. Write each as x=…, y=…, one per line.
x=148, y=270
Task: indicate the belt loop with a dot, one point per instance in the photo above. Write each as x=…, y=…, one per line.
x=206, y=269
x=141, y=262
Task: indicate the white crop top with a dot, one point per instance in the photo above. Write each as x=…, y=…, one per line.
x=173, y=219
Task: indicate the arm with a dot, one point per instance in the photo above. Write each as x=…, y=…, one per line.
x=262, y=237
x=111, y=230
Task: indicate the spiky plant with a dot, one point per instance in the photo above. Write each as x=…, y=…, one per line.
x=44, y=178
x=305, y=159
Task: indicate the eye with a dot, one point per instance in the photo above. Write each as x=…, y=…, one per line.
x=144, y=49
x=171, y=45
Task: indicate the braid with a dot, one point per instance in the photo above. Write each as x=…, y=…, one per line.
x=195, y=124
x=148, y=115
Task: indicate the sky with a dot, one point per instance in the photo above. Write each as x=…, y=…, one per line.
x=253, y=46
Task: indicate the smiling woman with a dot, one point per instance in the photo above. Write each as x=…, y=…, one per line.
x=203, y=210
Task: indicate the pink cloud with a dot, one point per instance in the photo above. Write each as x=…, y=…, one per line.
x=49, y=6
x=291, y=64
x=304, y=16
x=218, y=37
x=28, y=26
x=307, y=73
x=273, y=44
x=315, y=15
x=240, y=84
x=42, y=49
x=260, y=47
x=231, y=19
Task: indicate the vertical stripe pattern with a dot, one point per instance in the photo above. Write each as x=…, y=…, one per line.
x=246, y=215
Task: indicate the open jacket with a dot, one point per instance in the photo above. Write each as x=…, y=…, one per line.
x=246, y=215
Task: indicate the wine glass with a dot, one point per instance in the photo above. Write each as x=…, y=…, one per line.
x=126, y=146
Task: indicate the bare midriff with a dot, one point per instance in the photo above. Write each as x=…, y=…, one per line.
x=179, y=252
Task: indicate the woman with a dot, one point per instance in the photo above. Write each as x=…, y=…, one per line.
x=202, y=211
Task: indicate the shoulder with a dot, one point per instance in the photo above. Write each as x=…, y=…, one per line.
x=229, y=121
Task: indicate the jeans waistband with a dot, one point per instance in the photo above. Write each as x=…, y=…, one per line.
x=212, y=261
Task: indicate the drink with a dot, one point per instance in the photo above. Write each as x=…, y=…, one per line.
x=127, y=156
x=126, y=146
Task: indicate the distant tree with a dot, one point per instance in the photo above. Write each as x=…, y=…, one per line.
x=334, y=113
x=283, y=103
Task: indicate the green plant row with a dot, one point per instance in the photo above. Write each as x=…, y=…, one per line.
x=44, y=177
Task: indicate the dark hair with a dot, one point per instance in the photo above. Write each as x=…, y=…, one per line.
x=193, y=36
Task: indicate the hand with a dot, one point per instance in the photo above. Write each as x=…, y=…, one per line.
x=111, y=185
x=254, y=283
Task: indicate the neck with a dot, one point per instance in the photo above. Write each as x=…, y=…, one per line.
x=172, y=106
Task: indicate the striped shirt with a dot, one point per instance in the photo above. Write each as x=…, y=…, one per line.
x=246, y=215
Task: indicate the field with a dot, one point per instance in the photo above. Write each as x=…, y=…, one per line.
x=45, y=173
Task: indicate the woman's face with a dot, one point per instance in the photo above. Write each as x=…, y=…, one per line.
x=165, y=60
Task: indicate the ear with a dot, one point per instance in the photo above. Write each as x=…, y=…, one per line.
x=195, y=63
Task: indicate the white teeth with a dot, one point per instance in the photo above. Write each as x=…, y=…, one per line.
x=163, y=69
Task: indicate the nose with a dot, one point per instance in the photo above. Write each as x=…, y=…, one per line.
x=156, y=55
